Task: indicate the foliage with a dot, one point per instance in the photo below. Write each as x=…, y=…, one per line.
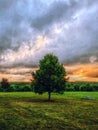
x=50, y=76
x=5, y=84
x=82, y=86
x=17, y=87
x=70, y=86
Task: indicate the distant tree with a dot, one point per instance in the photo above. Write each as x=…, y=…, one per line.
x=50, y=77
x=5, y=84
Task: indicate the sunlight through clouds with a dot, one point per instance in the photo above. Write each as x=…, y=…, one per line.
x=29, y=29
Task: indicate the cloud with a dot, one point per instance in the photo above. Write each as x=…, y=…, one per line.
x=59, y=10
x=30, y=29
x=90, y=71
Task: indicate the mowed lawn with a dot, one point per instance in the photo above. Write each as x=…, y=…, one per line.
x=29, y=111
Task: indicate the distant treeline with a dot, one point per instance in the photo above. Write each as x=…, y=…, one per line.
x=82, y=86
x=5, y=86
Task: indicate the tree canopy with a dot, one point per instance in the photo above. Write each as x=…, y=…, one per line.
x=5, y=84
x=50, y=77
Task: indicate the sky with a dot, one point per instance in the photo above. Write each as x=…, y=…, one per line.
x=29, y=29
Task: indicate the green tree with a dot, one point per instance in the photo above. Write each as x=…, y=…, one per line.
x=50, y=77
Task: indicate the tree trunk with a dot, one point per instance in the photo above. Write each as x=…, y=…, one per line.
x=49, y=96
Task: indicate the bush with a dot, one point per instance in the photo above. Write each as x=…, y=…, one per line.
x=82, y=86
x=70, y=86
x=1, y=89
x=87, y=88
x=26, y=89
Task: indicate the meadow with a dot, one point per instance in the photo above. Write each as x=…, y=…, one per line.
x=30, y=111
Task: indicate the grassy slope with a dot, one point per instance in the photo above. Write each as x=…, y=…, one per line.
x=28, y=111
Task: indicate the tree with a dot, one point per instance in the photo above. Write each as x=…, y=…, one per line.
x=50, y=76
x=5, y=84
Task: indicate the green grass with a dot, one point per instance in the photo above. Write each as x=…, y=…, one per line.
x=29, y=111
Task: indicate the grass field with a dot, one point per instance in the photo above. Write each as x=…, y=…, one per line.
x=29, y=111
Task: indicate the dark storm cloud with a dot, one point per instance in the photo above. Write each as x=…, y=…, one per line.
x=55, y=13
x=31, y=28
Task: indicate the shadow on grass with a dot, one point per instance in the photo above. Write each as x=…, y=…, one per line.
x=7, y=100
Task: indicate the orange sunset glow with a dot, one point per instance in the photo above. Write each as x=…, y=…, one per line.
x=79, y=72
x=87, y=72
x=49, y=64
x=30, y=29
